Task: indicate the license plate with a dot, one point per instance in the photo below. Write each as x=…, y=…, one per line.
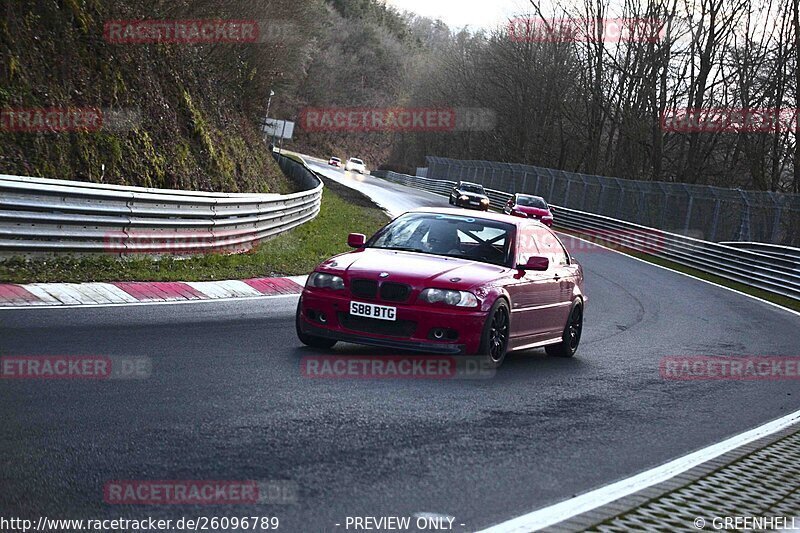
x=381, y=312
x=474, y=202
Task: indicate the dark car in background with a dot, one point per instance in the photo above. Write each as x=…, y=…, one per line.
x=470, y=196
x=528, y=206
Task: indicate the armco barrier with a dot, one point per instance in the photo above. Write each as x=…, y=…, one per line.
x=712, y=213
x=56, y=216
x=779, y=275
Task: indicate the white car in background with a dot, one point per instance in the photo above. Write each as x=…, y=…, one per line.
x=356, y=165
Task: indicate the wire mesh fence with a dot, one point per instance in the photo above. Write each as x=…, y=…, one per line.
x=702, y=211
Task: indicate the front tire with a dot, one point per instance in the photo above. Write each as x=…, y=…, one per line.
x=571, y=337
x=494, y=339
x=311, y=340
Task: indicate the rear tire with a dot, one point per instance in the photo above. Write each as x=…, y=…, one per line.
x=571, y=337
x=311, y=340
x=494, y=340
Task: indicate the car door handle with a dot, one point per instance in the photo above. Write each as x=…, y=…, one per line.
x=556, y=277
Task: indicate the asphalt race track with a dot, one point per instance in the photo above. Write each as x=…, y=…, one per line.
x=226, y=401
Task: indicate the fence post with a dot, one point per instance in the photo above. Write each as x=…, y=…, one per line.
x=744, y=224
x=688, y=210
x=621, y=198
x=642, y=206
x=715, y=220
x=776, y=221
x=663, y=204
x=585, y=190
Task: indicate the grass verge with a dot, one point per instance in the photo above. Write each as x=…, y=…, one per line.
x=293, y=253
x=759, y=293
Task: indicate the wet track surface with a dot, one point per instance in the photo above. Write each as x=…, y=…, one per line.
x=226, y=400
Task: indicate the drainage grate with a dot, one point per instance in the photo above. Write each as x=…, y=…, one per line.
x=765, y=483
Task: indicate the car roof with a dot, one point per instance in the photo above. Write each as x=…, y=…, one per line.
x=470, y=183
x=486, y=215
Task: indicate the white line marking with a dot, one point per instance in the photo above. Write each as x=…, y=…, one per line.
x=161, y=302
x=209, y=288
x=773, y=304
x=300, y=280
x=89, y=291
x=567, y=509
x=61, y=292
x=45, y=297
x=239, y=288
x=224, y=289
x=113, y=293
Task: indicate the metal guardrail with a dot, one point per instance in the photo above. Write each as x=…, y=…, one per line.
x=774, y=250
x=57, y=216
x=712, y=213
x=779, y=275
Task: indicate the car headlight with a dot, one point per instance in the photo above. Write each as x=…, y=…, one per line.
x=484, y=201
x=547, y=217
x=320, y=280
x=463, y=197
x=457, y=298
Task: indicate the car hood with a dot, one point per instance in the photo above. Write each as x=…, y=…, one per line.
x=416, y=269
x=532, y=210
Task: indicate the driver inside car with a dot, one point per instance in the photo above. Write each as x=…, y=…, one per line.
x=443, y=239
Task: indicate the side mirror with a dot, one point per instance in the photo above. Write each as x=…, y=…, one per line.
x=552, y=210
x=536, y=262
x=356, y=240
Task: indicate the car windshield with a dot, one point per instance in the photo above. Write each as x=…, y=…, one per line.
x=465, y=237
x=470, y=187
x=356, y=161
x=531, y=201
x=335, y=159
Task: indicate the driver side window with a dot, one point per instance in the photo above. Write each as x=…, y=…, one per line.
x=551, y=247
x=527, y=244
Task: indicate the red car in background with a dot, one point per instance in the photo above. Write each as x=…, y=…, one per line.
x=335, y=162
x=448, y=281
x=527, y=206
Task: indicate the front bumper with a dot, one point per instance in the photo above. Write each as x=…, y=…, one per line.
x=417, y=321
x=467, y=205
